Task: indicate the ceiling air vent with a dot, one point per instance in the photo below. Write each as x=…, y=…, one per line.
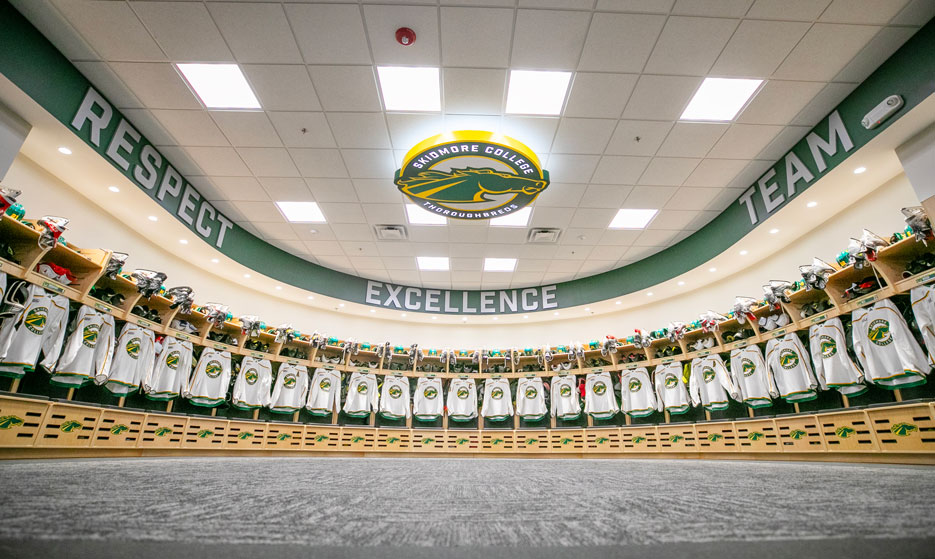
x=543, y=235
x=390, y=232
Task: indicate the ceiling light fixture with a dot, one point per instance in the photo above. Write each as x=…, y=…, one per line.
x=301, y=212
x=525, y=316
x=720, y=99
x=859, y=170
x=811, y=204
x=183, y=241
x=220, y=86
x=311, y=297
x=712, y=269
x=434, y=318
x=628, y=218
x=650, y=294
x=64, y=150
x=432, y=263
x=278, y=288
x=418, y=216
x=373, y=310
x=773, y=231
x=743, y=253
x=515, y=219
x=246, y=276
x=403, y=315
x=618, y=302
x=340, y=304
x=499, y=264
x=410, y=89
x=555, y=313
x=113, y=189
x=537, y=93
x=153, y=218
x=495, y=318
x=214, y=260
x=681, y=283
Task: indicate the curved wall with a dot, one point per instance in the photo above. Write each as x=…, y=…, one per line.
x=92, y=227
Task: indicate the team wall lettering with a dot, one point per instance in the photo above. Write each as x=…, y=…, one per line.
x=461, y=302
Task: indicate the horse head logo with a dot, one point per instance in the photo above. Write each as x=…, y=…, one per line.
x=467, y=185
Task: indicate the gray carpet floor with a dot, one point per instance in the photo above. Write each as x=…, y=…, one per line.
x=347, y=507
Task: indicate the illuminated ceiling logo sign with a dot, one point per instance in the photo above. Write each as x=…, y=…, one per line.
x=471, y=175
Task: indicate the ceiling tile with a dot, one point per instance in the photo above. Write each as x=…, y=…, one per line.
x=783, y=142
x=323, y=163
x=384, y=213
x=619, y=169
x=750, y=173
x=247, y=128
x=824, y=51
x=112, y=29
x=260, y=212
x=361, y=249
x=337, y=262
x=548, y=216
x=916, y=12
x=544, y=39
x=269, y=162
x=673, y=220
x=324, y=248
x=563, y=266
x=307, y=130
x=157, y=86
x=256, y=32
x=352, y=232
x=668, y=171
x=862, y=11
x=219, y=161
x=715, y=172
x=184, y=163
x=581, y=236
x=620, y=237
x=211, y=191
x=359, y=130
x=640, y=6
x=369, y=163
x=790, y=10
x=336, y=212
x=346, y=88
x=245, y=189
x=332, y=190
x=725, y=198
x=877, y=51
x=744, y=141
x=687, y=198
x=185, y=31
x=275, y=231
x=620, y=42
x=287, y=189
x=471, y=122
x=146, y=124
x=638, y=253
x=689, y=45
x=607, y=252
x=329, y=33
x=583, y=135
x=700, y=221
x=758, y=48
x=779, y=101
x=107, y=82
x=437, y=280
x=591, y=217
x=638, y=137
x=476, y=37
x=249, y=228
x=291, y=246
x=656, y=238
x=501, y=235
x=458, y=233
x=405, y=277
x=660, y=97
x=191, y=128
x=711, y=8
x=599, y=95
x=382, y=23
x=535, y=132
x=49, y=21
x=474, y=91
x=572, y=252
x=366, y=263
x=691, y=139
x=538, y=251
x=823, y=103
x=649, y=197
x=392, y=249
x=572, y=168
x=604, y=196
x=282, y=87
x=322, y=232
x=381, y=190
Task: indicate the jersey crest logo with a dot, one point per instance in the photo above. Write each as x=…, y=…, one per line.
x=70, y=426
x=133, y=348
x=462, y=393
x=747, y=367
x=36, y=319
x=715, y=437
x=119, y=428
x=755, y=435
x=89, y=335
x=531, y=392
x=788, y=359
x=10, y=421
x=213, y=369
x=362, y=388
x=844, y=432
x=163, y=431
x=707, y=374
x=251, y=376
x=879, y=332
x=430, y=393
x=289, y=381
x=827, y=346
x=471, y=175
x=325, y=384
x=172, y=360
x=394, y=392
x=599, y=388
x=496, y=393
x=903, y=429
x=204, y=433
x=565, y=391
x=797, y=434
x=670, y=381
x=634, y=385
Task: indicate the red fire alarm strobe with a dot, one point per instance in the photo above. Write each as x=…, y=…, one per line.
x=405, y=36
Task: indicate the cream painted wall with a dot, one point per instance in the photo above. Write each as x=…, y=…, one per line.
x=92, y=227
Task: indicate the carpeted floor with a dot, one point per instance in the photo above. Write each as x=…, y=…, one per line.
x=572, y=508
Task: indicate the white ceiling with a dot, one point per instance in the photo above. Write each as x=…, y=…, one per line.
x=636, y=64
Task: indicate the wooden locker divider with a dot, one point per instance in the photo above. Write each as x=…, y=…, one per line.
x=677, y=438
x=640, y=438
x=21, y=420
x=566, y=440
x=800, y=433
x=497, y=440
x=284, y=436
x=909, y=428
x=162, y=431
x=357, y=438
x=717, y=437
x=205, y=432
x=66, y=425
x=461, y=440
x=757, y=435
x=604, y=440
x=245, y=435
x=118, y=429
x=848, y=431
x=322, y=437
x=531, y=441
x=429, y=440
x=393, y=440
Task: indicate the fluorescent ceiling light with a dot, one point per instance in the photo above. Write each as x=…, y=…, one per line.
x=410, y=89
x=632, y=219
x=432, y=263
x=720, y=99
x=537, y=93
x=64, y=150
x=518, y=218
x=220, y=86
x=499, y=264
x=418, y=216
x=859, y=170
x=302, y=212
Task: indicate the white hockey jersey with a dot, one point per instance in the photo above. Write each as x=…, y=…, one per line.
x=394, y=397
x=709, y=384
x=923, y=307
x=599, y=399
x=171, y=372
x=252, y=387
x=886, y=349
x=212, y=377
x=324, y=395
x=362, y=395
x=134, y=360
x=428, y=404
x=671, y=393
x=636, y=393
x=39, y=327
x=530, y=399
x=565, y=402
x=290, y=390
x=833, y=366
x=498, y=403
x=462, y=399
x=752, y=378
x=787, y=361
x=89, y=351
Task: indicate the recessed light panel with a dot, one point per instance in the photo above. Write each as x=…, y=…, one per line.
x=519, y=218
x=432, y=263
x=632, y=219
x=410, y=89
x=720, y=99
x=220, y=86
x=301, y=212
x=499, y=264
x=537, y=93
x=418, y=216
